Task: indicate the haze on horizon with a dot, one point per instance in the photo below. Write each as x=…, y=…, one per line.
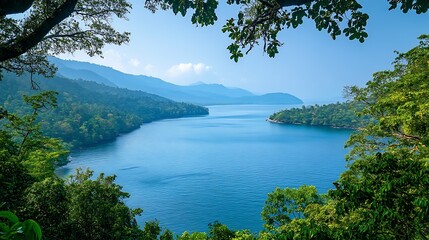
x=310, y=64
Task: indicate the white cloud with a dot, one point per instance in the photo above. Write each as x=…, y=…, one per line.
x=179, y=69
x=187, y=68
x=149, y=68
x=182, y=73
x=134, y=62
x=201, y=67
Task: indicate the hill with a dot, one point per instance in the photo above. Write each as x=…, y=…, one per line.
x=88, y=112
x=202, y=94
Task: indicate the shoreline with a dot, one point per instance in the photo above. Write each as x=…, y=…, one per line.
x=132, y=129
x=308, y=125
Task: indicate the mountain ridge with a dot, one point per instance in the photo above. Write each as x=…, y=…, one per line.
x=200, y=93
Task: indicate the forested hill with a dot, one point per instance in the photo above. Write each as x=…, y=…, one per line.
x=89, y=113
x=338, y=115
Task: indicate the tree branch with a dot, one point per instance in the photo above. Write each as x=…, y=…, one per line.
x=71, y=35
x=14, y=6
x=288, y=3
x=407, y=136
x=23, y=44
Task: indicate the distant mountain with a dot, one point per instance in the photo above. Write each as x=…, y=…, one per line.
x=219, y=89
x=83, y=74
x=271, y=98
x=201, y=93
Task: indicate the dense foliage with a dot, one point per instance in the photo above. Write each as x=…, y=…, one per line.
x=78, y=207
x=383, y=194
x=90, y=113
x=81, y=208
x=53, y=27
x=389, y=168
x=337, y=115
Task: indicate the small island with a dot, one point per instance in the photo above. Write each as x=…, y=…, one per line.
x=335, y=115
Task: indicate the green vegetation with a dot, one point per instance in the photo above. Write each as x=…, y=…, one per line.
x=89, y=113
x=75, y=208
x=11, y=228
x=337, y=115
x=382, y=195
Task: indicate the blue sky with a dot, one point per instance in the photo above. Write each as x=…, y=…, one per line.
x=310, y=64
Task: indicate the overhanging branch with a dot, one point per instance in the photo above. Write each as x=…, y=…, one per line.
x=24, y=43
x=14, y=6
x=70, y=35
x=288, y=3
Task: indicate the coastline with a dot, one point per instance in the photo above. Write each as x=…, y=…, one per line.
x=273, y=121
x=310, y=125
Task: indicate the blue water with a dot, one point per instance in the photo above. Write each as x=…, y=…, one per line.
x=189, y=172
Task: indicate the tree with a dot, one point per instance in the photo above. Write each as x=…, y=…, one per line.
x=53, y=27
x=291, y=213
x=167, y=235
x=244, y=235
x=151, y=230
x=24, y=141
x=82, y=208
x=97, y=210
x=14, y=179
x=383, y=194
x=283, y=205
x=388, y=173
x=193, y=236
x=47, y=202
x=219, y=231
x=25, y=154
x=79, y=208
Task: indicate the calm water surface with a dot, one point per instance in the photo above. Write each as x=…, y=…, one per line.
x=189, y=172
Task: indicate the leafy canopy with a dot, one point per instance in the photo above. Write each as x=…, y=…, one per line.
x=53, y=27
x=79, y=208
x=23, y=141
x=383, y=194
x=260, y=21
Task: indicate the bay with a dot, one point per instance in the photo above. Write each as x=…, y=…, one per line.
x=189, y=172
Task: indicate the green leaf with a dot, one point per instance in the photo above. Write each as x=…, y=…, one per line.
x=9, y=216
